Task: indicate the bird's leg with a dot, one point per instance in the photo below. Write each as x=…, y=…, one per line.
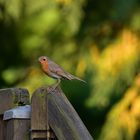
x=56, y=84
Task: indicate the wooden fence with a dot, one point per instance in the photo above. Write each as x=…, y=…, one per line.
x=48, y=116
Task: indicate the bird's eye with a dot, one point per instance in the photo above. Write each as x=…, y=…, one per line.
x=44, y=59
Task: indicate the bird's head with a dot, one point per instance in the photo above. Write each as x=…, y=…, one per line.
x=43, y=60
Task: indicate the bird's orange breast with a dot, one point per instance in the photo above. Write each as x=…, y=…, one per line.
x=45, y=66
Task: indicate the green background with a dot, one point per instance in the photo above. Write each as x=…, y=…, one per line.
x=97, y=40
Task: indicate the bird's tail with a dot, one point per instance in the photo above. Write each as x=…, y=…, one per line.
x=77, y=78
x=71, y=77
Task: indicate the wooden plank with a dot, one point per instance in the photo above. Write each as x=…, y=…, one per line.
x=39, y=124
x=39, y=117
x=18, y=129
x=12, y=97
x=2, y=128
x=63, y=119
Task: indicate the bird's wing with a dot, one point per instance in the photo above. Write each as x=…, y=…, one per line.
x=56, y=69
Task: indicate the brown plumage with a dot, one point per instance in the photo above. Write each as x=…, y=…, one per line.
x=55, y=71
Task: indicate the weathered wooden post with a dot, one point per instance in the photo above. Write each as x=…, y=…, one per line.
x=11, y=98
x=39, y=116
x=18, y=123
x=58, y=114
x=2, y=128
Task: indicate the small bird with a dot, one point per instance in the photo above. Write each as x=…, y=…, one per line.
x=55, y=71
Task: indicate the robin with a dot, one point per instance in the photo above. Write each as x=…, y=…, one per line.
x=55, y=71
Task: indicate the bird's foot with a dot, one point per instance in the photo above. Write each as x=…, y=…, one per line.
x=51, y=89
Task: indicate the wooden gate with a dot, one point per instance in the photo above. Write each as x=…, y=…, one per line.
x=48, y=116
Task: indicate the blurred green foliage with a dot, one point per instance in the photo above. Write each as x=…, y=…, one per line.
x=96, y=40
